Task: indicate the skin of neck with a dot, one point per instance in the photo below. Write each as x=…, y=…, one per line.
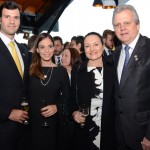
x=10, y=36
x=95, y=63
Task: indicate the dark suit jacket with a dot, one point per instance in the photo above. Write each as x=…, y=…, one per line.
x=105, y=54
x=133, y=95
x=12, y=89
x=84, y=95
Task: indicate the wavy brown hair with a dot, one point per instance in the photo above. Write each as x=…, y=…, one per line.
x=36, y=65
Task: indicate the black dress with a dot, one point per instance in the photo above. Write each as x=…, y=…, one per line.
x=57, y=82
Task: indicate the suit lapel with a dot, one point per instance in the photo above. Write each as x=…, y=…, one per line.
x=5, y=52
x=24, y=57
x=116, y=60
x=134, y=59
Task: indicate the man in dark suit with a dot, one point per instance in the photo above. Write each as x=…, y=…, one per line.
x=12, y=80
x=58, y=45
x=108, y=36
x=132, y=81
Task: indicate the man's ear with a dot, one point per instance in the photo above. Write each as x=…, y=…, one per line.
x=104, y=40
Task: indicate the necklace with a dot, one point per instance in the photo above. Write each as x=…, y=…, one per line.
x=45, y=76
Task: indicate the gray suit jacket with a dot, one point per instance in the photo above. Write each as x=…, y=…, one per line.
x=133, y=95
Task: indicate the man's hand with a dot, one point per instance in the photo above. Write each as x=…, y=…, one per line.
x=18, y=115
x=145, y=144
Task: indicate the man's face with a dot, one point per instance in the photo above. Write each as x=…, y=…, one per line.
x=109, y=41
x=58, y=47
x=125, y=26
x=10, y=21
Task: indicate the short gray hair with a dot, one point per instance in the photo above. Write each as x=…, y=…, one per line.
x=121, y=8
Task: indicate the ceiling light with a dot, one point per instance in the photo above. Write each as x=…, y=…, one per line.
x=109, y=4
x=97, y=3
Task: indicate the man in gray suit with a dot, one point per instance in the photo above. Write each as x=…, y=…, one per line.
x=13, y=79
x=132, y=61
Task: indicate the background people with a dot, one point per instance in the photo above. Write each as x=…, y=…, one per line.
x=132, y=96
x=108, y=37
x=58, y=48
x=13, y=79
x=92, y=85
x=50, y=83
x=30, y=45
x=70, y=58
x=77, y=43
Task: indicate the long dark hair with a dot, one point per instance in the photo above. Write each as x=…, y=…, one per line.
x=36, y=65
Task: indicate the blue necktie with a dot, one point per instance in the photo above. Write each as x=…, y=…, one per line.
x=126, y=60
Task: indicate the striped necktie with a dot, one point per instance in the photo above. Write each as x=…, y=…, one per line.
x=58, y=61
x=15, y=57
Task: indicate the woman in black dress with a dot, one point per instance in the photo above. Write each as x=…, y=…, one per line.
x=48, y=83
x=92, y=84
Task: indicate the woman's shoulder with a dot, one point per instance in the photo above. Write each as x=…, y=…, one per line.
x=60, y=70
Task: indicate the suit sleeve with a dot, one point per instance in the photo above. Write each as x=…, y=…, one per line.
x=4, y=112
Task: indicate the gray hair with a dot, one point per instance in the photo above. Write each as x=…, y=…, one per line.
x=121, y=8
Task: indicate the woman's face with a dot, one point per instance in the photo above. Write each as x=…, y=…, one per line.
x=45, y=50
x=66, y=58
x=93, y=47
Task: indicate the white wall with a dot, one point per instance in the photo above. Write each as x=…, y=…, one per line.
x=81, y=17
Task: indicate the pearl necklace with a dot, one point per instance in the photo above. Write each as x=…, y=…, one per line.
x=45, y=76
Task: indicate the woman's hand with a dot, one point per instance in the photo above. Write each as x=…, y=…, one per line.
x=48, y=110
x=78, y=117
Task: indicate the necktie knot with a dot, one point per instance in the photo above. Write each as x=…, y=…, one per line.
x=12, y=45
x=127, y=48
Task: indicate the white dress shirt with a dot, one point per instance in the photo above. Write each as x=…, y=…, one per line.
x=6, y=41
x=122, y=56
x=106, y=50
x=56, y=58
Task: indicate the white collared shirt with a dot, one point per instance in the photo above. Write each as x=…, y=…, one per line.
x=6, y=41
x=56, y=58
x=106, y=50
x=122, y=56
